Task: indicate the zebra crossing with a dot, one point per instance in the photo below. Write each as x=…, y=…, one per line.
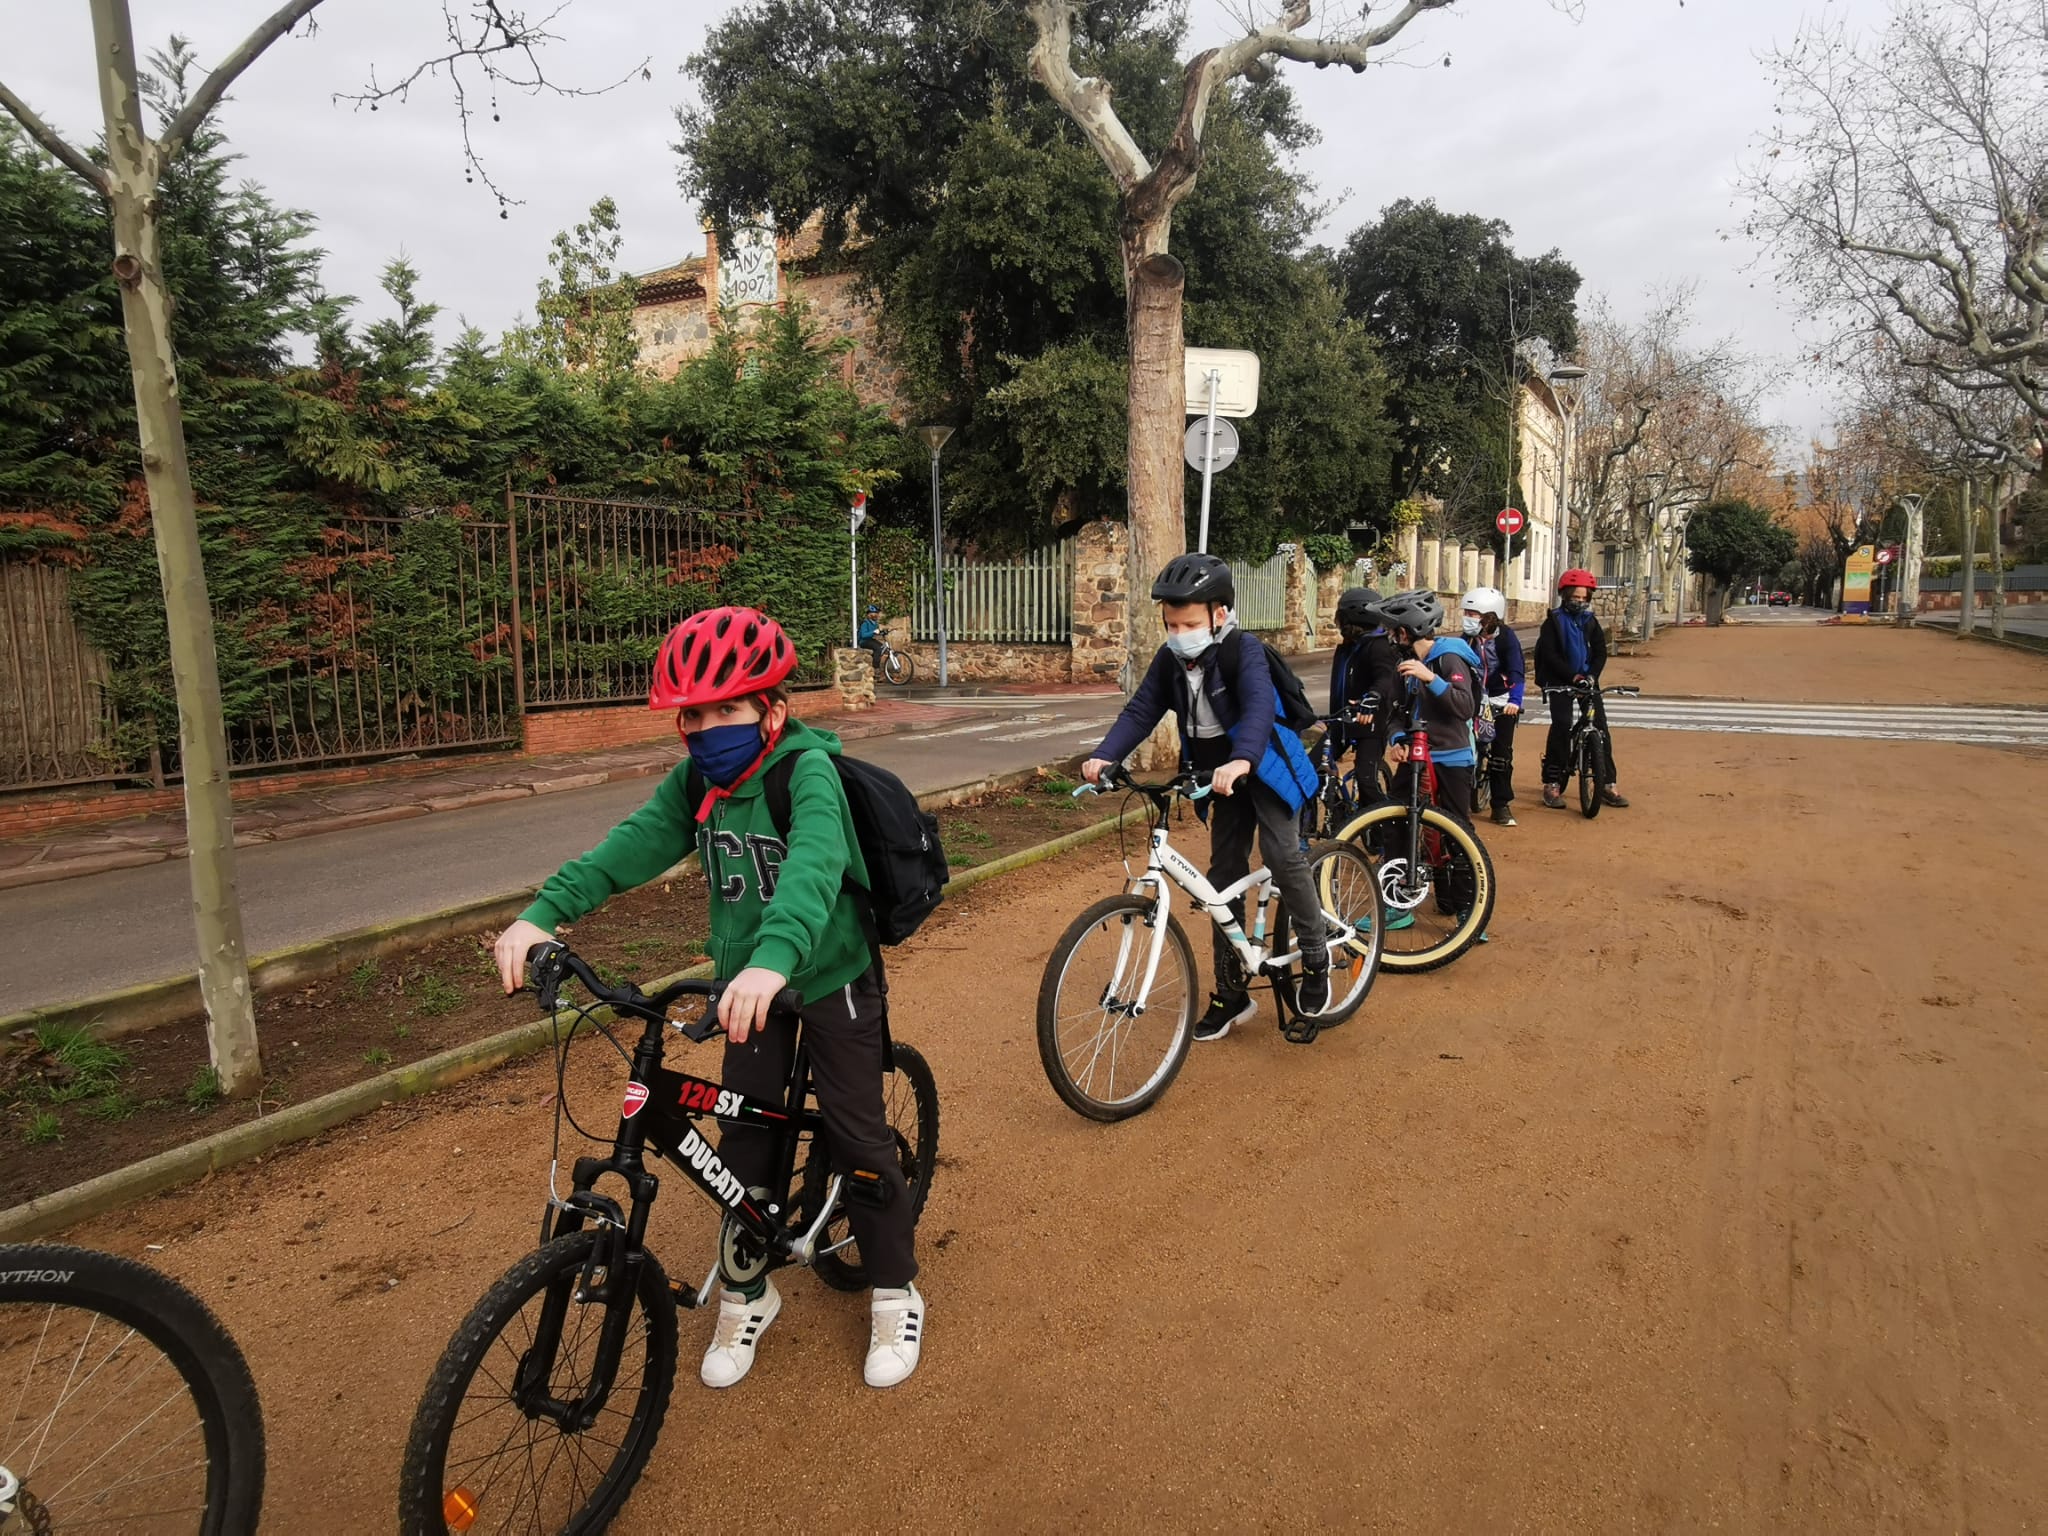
x=1982, y=726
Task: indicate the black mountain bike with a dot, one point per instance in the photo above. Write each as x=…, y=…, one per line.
x=129, y=1408
x=1590, y=757
x=1339, y=794
x=547, y=1402
x=1434, y=875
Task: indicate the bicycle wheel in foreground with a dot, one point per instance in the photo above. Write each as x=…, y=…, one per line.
x=1350, y=895
x=910, y=1103
x=1108, y=1048
x=1436, y=910
x=499, y=1443
x=129, y=1406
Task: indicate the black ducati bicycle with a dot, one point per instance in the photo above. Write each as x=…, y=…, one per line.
x=128, y=1407
x=547, y=1402
x=1591, y=757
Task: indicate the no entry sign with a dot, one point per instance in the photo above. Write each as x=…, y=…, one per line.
x=1510, y=521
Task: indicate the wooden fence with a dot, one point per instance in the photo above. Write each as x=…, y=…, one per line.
x=1025, y=600
x=56, y=725
x=1261, y=592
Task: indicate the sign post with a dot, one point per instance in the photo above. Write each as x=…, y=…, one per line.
x=1856, y=580
x=1510, y=522
x=1229, y=382
x=859, y=516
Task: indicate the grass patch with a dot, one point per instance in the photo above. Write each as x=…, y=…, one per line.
x=645, y=946
x=112, y=1107
x=1022, y=802
x=81, y=1065
x=1057, y=785
x=203, y=1092
x=376, y=1056
x=363, y=980
x=434, y=994
x=43, y=1128
x=402, y=1032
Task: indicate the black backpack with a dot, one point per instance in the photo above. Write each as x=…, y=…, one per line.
x=899, y=843
x=1293, y=709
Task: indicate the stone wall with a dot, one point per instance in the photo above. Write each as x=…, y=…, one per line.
x=985, y=661
x=1102, y=602
x=853, y=677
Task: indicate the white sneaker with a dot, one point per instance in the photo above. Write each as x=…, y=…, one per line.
x=895, y=1333
x=740, y=1326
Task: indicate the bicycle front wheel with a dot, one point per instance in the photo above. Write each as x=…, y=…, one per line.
x=1350, y=894
x=490, y=1450
x=898, y=668
x=1437, y=907
x=1108, y=1048
x=130, y=1408
x=910, y=1104
x=1591, y=763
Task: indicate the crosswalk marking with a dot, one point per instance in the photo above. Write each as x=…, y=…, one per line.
x=1986, y=726
x=1044, y=730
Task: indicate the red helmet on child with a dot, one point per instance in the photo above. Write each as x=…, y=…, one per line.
x=1584, y=579
x=721, y=653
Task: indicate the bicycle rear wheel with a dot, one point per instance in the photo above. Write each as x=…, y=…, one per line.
x=1350, y=894
x=482, y=1457
x=1436, y=911
x=1109, y=1053
x=130, y=1407
x=898, y=668
x=910, y=1103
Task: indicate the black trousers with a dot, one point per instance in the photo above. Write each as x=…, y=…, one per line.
x=1252, y=807
x=1453, y=788
x=1500, y=759
x=1557, y=746
x=843, y=1034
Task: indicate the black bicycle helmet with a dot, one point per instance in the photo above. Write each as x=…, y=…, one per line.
x=1359, y=608
x=1418, y=612
x=1195, y=579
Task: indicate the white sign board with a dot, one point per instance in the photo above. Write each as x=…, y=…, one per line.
x=1237, y=384
x=1198, y=440
x=748, y=274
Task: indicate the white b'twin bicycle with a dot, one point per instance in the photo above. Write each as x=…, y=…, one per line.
x=1117, y=1007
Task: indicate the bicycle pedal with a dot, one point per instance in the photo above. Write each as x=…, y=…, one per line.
x=1301, y=1031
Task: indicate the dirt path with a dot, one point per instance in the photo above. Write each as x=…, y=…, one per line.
x=1711, y=1193
x=1846, y=664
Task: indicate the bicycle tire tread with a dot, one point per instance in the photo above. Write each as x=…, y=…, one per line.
x=1426, y=960
x=1048, y=994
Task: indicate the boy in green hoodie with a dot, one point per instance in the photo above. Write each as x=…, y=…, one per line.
x=782, y=915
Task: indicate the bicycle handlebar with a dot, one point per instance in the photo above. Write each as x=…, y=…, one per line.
x=1588, y=690
x=549, y=965
x=1116, y=776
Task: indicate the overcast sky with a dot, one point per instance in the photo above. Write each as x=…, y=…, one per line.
x=1614, y=139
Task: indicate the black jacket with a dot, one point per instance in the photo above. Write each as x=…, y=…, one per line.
x=1552, y=669
x=1366, y=667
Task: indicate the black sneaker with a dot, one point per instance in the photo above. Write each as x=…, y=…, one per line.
x=1503, y=817
x=1225, y=1009
x=1313, y=995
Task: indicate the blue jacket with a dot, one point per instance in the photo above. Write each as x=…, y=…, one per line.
x=1447, y=711
x=1510, y=672
x=1248, y=719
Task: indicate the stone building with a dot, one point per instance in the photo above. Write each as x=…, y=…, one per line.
x=681, y=307
x=1540, y=430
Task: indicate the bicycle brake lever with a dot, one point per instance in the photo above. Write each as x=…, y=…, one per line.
x=788, y=1001
x=544, y=973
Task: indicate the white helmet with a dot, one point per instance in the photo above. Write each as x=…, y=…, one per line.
x=1487, y=600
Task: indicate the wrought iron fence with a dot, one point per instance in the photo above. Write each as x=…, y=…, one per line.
x=1024, y=600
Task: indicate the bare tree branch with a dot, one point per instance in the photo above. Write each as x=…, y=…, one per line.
x=225, y=73
x=52, y=141
x=1084, y=99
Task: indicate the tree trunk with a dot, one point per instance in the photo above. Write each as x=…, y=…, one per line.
x=1156, y=406
x=1966, y=616
x=1911, y=559
x=145, y=315
x=1717, y=602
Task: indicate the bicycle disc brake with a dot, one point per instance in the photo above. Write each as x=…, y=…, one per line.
x=740, y=1258
x=1395, y=888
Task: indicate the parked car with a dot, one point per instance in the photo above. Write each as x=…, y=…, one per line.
x=1781, y=599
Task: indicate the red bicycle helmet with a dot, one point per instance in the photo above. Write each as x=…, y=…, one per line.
x=1584, y=579
x=721, y=653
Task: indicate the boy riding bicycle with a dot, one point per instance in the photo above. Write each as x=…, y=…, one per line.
x=1444, y=674
x=785, y=916
x=1215, y=679
x=1572, y=648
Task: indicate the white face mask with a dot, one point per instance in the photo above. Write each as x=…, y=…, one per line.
x=1472, y=625
x=1189, y=643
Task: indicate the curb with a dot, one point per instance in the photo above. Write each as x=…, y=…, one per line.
x=64, y=1208
x=150, y=1003
x=2034, y=645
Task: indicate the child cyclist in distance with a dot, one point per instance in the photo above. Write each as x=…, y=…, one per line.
x=1572, y=647
x=781, y=916
x=1225, y=707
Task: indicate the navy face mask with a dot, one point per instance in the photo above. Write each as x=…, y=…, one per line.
x=724, y=752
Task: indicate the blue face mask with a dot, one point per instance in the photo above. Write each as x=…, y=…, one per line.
x=724, y=752
x=1188, y=644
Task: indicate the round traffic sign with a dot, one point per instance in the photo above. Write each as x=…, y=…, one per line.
x=1886, y=556
x=1198, y=440
x=1510, y=521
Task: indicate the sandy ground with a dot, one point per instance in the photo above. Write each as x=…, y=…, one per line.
x=1713, y=1192
x=1846, y=664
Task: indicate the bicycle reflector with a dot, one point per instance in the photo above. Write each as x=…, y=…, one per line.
x=459, y=1509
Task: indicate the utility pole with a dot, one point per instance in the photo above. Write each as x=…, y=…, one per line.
x=1966, y=617
x=935, y=439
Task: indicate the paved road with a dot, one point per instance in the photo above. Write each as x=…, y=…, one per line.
x=1867, y=722
x=91, y=935
x=2013, y=624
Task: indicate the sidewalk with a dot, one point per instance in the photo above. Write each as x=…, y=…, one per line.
x=66, y=853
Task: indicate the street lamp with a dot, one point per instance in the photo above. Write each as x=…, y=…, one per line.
x=935, y=439
x=1654, y=480
x=1566, y=382
x=855, y=518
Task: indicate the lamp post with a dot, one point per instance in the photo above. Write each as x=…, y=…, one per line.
x=935, y=439
x=858, y=516
x=1566, y=381
x=1652, y=578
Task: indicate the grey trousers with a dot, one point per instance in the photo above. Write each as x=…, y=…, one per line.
x=843, y=1033
x=1232, y=820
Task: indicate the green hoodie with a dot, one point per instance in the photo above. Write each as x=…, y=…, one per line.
x=779, y=904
